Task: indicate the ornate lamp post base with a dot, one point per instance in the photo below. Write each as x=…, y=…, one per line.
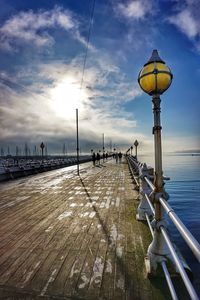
x=159, y=252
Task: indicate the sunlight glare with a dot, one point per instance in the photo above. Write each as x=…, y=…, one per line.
x=66, y=97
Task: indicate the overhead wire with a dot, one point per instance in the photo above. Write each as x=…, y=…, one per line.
x=8, y=82
x=87, y=42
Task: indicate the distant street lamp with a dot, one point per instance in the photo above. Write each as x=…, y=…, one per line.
x=131, y=150
x=42, y=148
x=154, y=79
x=136, y=145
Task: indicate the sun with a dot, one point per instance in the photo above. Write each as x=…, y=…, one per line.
x=66, y=96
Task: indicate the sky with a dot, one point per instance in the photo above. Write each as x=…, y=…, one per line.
x=43, y=45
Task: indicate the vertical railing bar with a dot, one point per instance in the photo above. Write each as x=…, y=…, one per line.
x=180, y=267
x=149, y=223
x=150, y=204
x=136, y=181
x=169, y=281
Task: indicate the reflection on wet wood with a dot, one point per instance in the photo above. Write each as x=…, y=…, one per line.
x=67, y=236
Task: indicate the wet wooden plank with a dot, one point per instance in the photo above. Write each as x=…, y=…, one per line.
x=64, y=236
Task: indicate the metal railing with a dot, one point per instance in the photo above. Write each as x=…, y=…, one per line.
x=187, y=236
x=140, y=177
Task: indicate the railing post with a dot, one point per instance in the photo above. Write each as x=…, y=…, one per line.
x=143, y=207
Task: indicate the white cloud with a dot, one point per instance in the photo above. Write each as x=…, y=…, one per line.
x=187, y=20
x=32, y=27
x=28, y=115
x=140, y=31
x=135, y=9
x=47, y=108
x=186, y=23
x=171, y=144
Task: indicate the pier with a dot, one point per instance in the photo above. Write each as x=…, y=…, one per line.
x=65, y=236
x=95, y=232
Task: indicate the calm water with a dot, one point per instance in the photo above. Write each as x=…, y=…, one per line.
x=184, y=191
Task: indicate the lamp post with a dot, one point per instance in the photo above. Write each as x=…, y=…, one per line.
x=136, y=145
x=154, y=79
x=77, y=142
x=103, y=155
x=42, y=147
x=131, y=150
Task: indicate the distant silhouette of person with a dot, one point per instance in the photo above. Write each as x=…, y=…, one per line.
x=98, y=158
x=116, y=157
x=94, y=158
x=120, y=157
x=106, y=155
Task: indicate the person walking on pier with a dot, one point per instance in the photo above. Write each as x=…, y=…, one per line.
x=98, y=158
x=94, y=159
x=120, y=157
x=116, y=157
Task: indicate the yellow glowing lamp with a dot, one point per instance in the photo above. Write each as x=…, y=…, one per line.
x=155, y=77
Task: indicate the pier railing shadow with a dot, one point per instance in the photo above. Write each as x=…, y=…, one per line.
x=130, y=284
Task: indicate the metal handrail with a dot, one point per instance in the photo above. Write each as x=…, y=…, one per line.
x=135, y=178
x=179, y=266
x=150, y=184
x=136, y=181
x=150, y=204
x=135, y=163
x=188, y=237
x=178, y=263
x=164, y=267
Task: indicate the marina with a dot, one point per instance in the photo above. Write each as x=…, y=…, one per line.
x=16, y=167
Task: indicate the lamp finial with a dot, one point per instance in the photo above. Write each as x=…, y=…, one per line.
x=154, y=57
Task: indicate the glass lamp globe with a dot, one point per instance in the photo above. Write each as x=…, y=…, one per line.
x=155, y=77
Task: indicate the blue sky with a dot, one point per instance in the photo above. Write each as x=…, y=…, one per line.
x=42, y=48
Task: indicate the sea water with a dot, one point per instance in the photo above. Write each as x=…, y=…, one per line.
x=184, y=191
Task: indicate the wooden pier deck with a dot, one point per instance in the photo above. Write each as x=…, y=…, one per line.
x=68, y=237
